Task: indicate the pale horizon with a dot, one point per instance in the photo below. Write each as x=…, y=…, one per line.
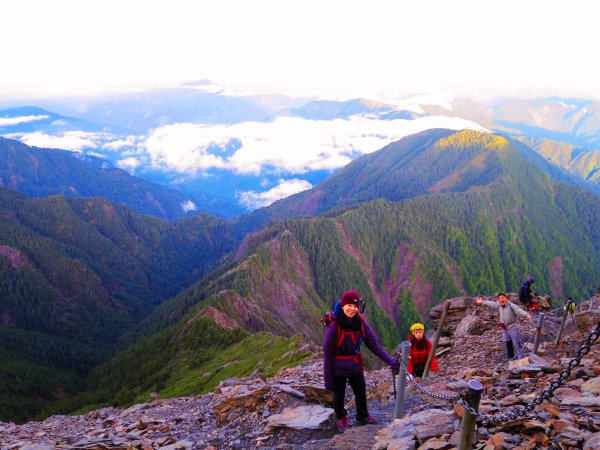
x=334, y=49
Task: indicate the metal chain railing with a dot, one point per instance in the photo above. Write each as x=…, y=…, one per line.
x=549, y=391
x=424, y=390
x=512, y=415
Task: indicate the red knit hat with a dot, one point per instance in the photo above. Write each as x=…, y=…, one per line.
x=351, y=298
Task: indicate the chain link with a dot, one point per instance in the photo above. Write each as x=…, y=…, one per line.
x=424, y=390
x=463, y=402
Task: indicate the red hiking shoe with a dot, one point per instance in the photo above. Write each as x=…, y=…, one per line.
x=369, y=420
x=343, y=424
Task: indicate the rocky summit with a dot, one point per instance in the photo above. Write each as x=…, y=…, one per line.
x=292, y=410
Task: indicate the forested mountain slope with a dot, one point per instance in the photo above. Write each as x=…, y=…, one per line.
x=577, y=160
x=77, y=274
x=41, y=172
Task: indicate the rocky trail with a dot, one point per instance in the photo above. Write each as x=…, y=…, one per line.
x=291, y=410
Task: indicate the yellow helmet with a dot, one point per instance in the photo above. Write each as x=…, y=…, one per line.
x=416, y=327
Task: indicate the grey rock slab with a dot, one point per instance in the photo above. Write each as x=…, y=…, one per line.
x=308, y=417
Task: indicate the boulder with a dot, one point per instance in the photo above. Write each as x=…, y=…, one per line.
x=592, y=385
x=587, y=320
x=398, y=435
x=593, y=402
x=432, y=423
x=531, y=363
x=307, y=417
x=470, y=325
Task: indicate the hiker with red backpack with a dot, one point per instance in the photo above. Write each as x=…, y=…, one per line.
x=343, y=361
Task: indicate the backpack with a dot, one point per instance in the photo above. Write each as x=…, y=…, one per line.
x=331, y=316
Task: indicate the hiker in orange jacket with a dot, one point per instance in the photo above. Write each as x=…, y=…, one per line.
x=420, y=347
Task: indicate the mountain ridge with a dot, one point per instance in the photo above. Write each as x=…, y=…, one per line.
x=43, y=172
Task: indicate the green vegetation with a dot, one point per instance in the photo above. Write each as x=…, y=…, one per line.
x=579, y=161
x=190, y=358
x=75, y=275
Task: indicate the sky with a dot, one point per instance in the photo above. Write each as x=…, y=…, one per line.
x=358, y=47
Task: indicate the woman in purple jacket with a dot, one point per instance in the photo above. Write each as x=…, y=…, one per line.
x=342, y=360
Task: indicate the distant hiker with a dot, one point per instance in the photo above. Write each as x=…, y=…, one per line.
x=526, y=296
x=419, y=351
x=508, y=323
x=572, y=307
x=342, y=360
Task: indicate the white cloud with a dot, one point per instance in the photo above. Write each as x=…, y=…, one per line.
x=4, y=121
x=64, y=141
x=74, y=140
x=129, y=164
x=189, y=206
x=184, y=147
x=285, y=188
x=129, y=141
x=288, y=144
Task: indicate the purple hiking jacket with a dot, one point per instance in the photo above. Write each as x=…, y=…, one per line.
x=348, y=366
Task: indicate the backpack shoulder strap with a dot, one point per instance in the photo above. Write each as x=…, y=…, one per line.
x=341, y=335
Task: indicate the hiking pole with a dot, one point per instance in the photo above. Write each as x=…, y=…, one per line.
x=436, y=338
x=562, y=323
x=402, y=380
x=538, y=333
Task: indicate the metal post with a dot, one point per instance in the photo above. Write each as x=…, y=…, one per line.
x=402, y=381
x=467, y=428
x=538, y=333
x=562, y=323
x=436, y=338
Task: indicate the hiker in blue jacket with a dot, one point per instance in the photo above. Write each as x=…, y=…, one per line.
x=343, y=361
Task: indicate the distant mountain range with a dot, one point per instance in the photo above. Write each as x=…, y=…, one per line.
x=583, y=163
x=46, y=172
x=40, y=172
x=144, y=133
x=28, y=119
x=330, y=110
x=574, y=121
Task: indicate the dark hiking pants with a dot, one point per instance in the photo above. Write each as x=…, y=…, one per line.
x=359, y=387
